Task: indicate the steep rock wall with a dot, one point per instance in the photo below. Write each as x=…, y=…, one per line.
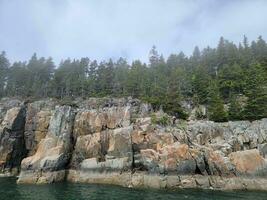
x=114, y=141
x=12, y=144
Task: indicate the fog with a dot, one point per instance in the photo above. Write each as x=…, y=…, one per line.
x=101, y=29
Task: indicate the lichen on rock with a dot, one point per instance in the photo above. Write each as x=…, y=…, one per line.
x=114, y=141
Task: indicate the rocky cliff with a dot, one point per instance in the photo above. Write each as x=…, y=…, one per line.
x=116, y=141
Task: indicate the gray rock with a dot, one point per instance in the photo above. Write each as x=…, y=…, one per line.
x=12, y=146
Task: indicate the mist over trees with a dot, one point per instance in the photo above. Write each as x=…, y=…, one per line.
x=228, y=74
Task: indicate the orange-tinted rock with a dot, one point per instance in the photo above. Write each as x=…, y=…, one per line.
x=37, y=123
x=92, y=121
x=12, y=147
x=177, y=151
x=53, y=152
x=151, y=139
x=247, y=162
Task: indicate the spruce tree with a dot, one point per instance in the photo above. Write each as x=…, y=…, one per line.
x=4, y=64
x=256, y=91
x=173, y=98
x=216, y=111
x=235, y=111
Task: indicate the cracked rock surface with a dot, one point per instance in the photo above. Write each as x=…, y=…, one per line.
x=114, y=141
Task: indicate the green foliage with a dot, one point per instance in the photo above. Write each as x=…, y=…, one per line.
x=231, y=80
x=200, y=81
x=163, y=120
x=256, y=91
x=216, y=111
x=237, y=71
x=235, y=111
x=4, y=64
x=173, y=98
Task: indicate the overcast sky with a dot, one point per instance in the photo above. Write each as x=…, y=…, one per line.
x=101, y=29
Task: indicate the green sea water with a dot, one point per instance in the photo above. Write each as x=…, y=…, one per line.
x=9, y=190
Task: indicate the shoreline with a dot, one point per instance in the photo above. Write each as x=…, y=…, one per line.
x=154, y=181
x=145, y=180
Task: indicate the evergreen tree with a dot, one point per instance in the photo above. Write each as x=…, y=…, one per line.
x=4, y=64
x=239, y=73
x=17, y=74
x=235, y=111
x=231, y=80
x=256, y=91
x=196, y=54
x=216, y=111
x=200, y=82
x=153, y=56
x=173, y=98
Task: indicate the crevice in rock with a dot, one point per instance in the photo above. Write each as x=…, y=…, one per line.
x=72, y=143
x=104, y=142
x=133, y=159
x=15, y=137
x=206, y=165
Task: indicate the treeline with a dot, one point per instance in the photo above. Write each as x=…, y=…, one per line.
x=230, y=75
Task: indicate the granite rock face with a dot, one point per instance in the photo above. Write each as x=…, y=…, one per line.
x=115, y=141
x=12, y=145
x=53, y=152
x=37, y=123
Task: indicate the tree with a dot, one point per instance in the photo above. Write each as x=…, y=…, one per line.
x=173, y=98
x=120, y=77
x=91, y=78
x=235, y=111
x=216, y=111
x=153, y=56
x=237, y=73
x=136, y=84
x=231, y=80
x=196, y=54
x=105, y=78
x=16, y=78
x=256, y=91
x=200, y=82
x=4, y=64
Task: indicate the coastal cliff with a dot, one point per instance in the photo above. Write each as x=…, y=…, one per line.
x=123, y=142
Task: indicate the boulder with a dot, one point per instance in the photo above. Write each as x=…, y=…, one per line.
x=248, y=162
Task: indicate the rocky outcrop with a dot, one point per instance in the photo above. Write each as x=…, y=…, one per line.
x=54, y=151
x=249, y=162
x=12, y=145
x=115, y=141
x=37, y=123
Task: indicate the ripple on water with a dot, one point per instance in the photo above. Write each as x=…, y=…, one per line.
x=68, y=191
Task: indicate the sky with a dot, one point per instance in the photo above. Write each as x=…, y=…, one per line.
x=103, y=29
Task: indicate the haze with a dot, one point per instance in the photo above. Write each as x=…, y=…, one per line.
x=102, y=29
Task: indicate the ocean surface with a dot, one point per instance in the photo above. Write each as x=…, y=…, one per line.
x=9, y=190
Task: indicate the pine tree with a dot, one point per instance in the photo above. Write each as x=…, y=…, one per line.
x=235, y=111
x=17, y=74
x=4, y=64
x=216, y=111
x=196, y=54
x=153, y=56
x=200, y=82
x=173, y=98
x=231, y=80
x=256, y=91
